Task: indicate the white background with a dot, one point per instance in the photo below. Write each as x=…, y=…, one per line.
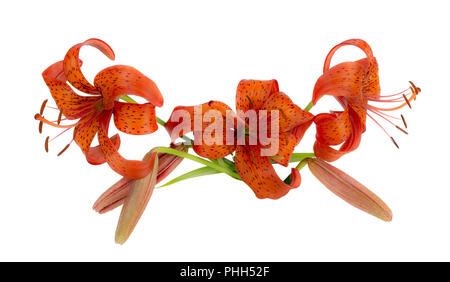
x=197, y=51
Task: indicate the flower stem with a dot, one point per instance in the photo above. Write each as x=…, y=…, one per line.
x=214, y=165
x=300, y=165
x=127, y=99
x=308, y=107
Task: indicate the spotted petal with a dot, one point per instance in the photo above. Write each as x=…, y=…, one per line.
x=72, y=66
x=290, y=115
x=258, y=173
x=252, y=94
x=130, y=168
x=125, y=80
x=333, y=129
x=352, y=80
x=95, y=154
x=181, y=122
x=361, y=44
x=72, y=105
x=136, y=119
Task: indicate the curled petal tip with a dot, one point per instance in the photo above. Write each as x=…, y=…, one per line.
x=102, y=46
x=348, y=189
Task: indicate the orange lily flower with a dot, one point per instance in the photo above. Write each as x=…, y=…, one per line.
x=93, y=112
x=354, y=85
x=253, y=168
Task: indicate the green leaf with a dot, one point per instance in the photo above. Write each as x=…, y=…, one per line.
x=206, y=170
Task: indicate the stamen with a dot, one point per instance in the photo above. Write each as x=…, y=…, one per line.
x=407, y=102
x=63, y=150
x=395, y=143
x=43, y=106
x=61, y=133
x=40, y=126
x=401, y=129
x=46, y=143
x=41, y=118
x=415, y=89
x=59, y=117
x=404, y=121
x=384, y=130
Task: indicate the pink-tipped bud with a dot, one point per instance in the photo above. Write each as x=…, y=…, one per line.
x=135, y=194
x=136, y=201
x=168, y=163
x=349, y=189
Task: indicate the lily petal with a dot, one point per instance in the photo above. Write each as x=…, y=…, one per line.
x=70, y=103
x=136, y=201
x=353, y=80
x=332, y=128
x=85, y=131
x=136, y=119
x=259, y=174
x=125, y=80
x=214, y=151
x=252, y=94
x=361, y=44
x=349, y=80
x=348, y=189
x=72, y=66
x=95, y=154
x=130, y=168
x=286, y=146
x=290, y=115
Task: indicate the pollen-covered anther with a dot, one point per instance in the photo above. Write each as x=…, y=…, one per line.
x=43, y=106
x=404, y=121
x=46, y=143
x=415, y=89
x=395, y=143
x=401, y=129
x=59, y=117
x=40, y=126
x=407, y=101
x=64, y=149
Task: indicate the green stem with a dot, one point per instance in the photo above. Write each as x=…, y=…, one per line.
x=308, y=107
x=216, y=166
x=160, y=121
x=127, y=99
x=299, y=166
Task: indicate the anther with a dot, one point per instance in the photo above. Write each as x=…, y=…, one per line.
x=395, y=143
x=415, y=89
x=402, y=130
x=40, y=126
x=43, y=106
x=59, y=117
x=406, y=100
x=46, y=143
x=63, y=150
x=404, y=121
